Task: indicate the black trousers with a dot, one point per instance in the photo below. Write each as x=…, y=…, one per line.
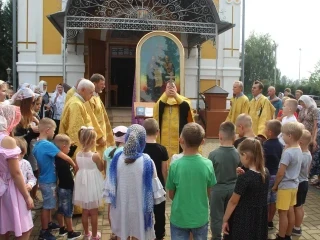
x=58, y=125
x=160, y=220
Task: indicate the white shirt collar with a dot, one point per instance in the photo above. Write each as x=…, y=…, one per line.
x=257, y=97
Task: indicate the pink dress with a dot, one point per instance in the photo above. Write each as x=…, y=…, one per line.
x=14, y=214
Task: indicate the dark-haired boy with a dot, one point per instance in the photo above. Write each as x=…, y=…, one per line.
x=272, y=153
x=225, y=160
x=159, y=155
x=189, y=183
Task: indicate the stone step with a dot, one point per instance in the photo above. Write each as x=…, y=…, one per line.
x=119, y=116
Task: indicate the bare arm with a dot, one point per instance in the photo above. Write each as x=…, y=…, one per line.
x=66, y=158
x=15, y=172
x=171, y=194
x=233, y=202
x=97, y=160
x=279, y=176
x=165, y=170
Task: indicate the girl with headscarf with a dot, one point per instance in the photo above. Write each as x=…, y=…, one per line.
x=57, y=101
x=24, y=99
x=15, y=201
x=308, y=116
x=133, y=188
x=45, y=108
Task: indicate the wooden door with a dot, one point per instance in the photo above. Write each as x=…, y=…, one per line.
x=97, y=63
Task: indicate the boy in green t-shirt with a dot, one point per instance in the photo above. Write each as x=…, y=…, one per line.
x=189, y=183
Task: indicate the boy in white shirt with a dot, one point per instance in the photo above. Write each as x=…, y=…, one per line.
x=289, y=108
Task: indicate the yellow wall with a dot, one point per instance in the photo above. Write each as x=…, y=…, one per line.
x=208, y=50
x=205, y=84
x=51, y=38
x=52, y=81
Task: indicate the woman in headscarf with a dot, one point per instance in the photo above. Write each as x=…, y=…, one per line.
x=132, y=188
x=308, y=116
x=24, y=99
x=15, y=200
x=45, y=107
x=57, y=101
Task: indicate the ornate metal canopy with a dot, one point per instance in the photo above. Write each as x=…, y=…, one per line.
x=197, y=18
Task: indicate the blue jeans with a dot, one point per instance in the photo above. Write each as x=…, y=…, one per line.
x=178, y=233
x=65, y=206
x=49, y=195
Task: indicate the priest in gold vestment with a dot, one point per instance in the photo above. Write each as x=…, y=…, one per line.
x=260, y=110
x=99, y=117
x=75, y=115
x=238, y=104
x=172, y=111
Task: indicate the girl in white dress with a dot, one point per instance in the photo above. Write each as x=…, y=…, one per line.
x=88, y=184
x=133, y=188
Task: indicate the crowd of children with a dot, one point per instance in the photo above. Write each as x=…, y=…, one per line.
x=237, y=189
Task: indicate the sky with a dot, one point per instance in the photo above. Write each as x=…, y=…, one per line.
x=293, y=24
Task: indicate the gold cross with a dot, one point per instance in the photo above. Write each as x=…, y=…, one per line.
x=232, y=34
x=171, y=78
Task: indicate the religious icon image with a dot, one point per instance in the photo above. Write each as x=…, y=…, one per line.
x=159, y=64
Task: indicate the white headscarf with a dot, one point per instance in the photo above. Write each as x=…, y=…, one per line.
x=308, y=101
x=63, y=95
x=24, y=85
x=41, y=87
x=22, y=93
x=35, y=89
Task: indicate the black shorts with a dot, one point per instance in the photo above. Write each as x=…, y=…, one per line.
x=302, y=193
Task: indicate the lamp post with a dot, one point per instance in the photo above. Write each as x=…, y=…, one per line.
x=299, y=64
x=9, y=75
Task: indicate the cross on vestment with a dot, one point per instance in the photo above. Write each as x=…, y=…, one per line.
x=171, y=78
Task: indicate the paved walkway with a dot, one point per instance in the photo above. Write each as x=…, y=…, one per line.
x=311, y=226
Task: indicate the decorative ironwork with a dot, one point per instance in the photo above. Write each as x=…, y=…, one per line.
x=76, y=22
x=72, y=33
x=178, y=10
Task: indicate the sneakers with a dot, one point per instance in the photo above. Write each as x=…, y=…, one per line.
x=87, y=236
x=98, y=237
x=270, y=225
x=46, y=235
x=74, y=235
x=63, y=231
x=53, y=226
x=296, y=232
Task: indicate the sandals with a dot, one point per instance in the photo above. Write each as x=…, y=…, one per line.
x=113, y=236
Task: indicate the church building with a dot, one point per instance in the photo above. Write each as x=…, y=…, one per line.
x=135, y=44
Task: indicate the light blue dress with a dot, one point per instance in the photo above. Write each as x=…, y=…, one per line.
x=107, y=158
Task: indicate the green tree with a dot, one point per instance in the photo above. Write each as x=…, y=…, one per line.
x=314, y=80
x=259, y=60
x=5, y=38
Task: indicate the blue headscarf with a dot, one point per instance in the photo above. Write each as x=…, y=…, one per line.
x=135, y=143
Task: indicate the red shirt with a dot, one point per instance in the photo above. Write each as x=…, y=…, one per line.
x=280, y=114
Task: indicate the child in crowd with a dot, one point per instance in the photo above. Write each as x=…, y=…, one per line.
x=246, y=214
x=287, y=181
x=191, y=215
x=25, y=166
x=45, y=153
x=303, y=181
x=15, y=201
x=65, y=189
x=244, y=128
x=159, y=155
x=225, y=160
x=36, y=108
x=88, y=185
x=272, y=154
x=118, y=134
x=119, y=138
x=289, y=108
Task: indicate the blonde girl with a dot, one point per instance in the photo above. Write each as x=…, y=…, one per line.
x=88, y=184
x=246, y=216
